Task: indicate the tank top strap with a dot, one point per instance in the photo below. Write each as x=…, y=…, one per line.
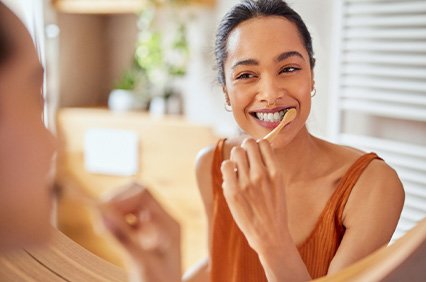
x=347, y=182
x=218, y=156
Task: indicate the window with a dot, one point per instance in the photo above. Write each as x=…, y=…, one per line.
x=380, y=94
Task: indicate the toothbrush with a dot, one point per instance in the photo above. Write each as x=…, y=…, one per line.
x=288, y=117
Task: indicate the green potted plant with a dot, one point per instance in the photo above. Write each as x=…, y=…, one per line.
x=157, y=64
x=129, y=92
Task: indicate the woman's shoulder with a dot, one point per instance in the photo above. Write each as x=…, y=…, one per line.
x=378, y=193
x=346, y=156
x=377, y=190
x=205, y=157
x=376, y=180
x=229, y=144
x=337, y=159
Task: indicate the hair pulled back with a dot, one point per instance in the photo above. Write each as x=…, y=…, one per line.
x=6, y=44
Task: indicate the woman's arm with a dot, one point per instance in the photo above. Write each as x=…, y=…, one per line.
x=200, y=272
x=370, y=218
x=254, y=190
x=371, y=214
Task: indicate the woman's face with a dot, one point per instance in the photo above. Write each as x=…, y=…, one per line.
x=26, y=146
x=267, y=70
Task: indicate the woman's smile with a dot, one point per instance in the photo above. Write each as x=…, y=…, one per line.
x=269, y=118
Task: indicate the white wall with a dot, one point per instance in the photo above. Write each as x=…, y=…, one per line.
x=204, y=101
x=318, y=16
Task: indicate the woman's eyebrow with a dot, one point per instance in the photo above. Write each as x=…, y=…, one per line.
x=281, y=57
x=285, y=55
x=248, y=62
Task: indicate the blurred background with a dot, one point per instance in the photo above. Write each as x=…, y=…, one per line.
x=146, y=68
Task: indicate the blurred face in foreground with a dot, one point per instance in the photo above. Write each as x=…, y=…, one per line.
x=26, y=146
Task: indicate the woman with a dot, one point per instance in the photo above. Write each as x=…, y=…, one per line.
x=298, y=208
x=26, y=152
x=26, y=146
x=272, y=194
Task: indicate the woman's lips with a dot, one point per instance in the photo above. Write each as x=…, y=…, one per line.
x=268, y=124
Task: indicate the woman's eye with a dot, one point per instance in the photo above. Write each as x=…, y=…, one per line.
x=289, y=69
x=245, y=76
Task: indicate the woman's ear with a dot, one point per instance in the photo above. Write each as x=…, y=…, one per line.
x=225, y=93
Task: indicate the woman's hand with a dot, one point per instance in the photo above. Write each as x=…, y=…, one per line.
x=147, y=232
x=253, y=188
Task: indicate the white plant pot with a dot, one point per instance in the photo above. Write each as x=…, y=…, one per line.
x=158, y=106
x=121, y=100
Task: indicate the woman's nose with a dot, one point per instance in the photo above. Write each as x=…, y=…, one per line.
x=270, y=91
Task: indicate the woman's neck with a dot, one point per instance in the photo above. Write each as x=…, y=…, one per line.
x=301, y=158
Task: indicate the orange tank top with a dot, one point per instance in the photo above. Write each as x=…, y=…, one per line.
x=232, y=259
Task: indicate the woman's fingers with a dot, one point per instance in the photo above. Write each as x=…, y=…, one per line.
x=235, y=194
x=135, y=217
x=229, y=173
x=127, y=199
x=271, y=163
x=239, y=157
x=122, y=232
x=149, y=234
x=254, y=156
x=250, y=164
x=134, y=201
x=267, y=153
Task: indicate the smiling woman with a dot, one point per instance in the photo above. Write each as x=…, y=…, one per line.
x=292, y=209
x=298, y=207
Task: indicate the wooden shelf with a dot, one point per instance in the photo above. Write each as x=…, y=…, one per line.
x=99, y=6
x=111, y=6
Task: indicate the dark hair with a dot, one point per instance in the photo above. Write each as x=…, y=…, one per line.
x=6, y=48
x=249, y=9
x=6, y=43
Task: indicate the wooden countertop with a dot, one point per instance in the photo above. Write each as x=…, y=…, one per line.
x=167, y=166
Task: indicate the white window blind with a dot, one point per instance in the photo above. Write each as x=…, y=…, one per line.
x=379, y=100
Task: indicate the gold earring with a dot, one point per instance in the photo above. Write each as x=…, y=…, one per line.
x=227, y=104
x=227, y=100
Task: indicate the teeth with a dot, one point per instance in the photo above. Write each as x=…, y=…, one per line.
x=271, y=117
